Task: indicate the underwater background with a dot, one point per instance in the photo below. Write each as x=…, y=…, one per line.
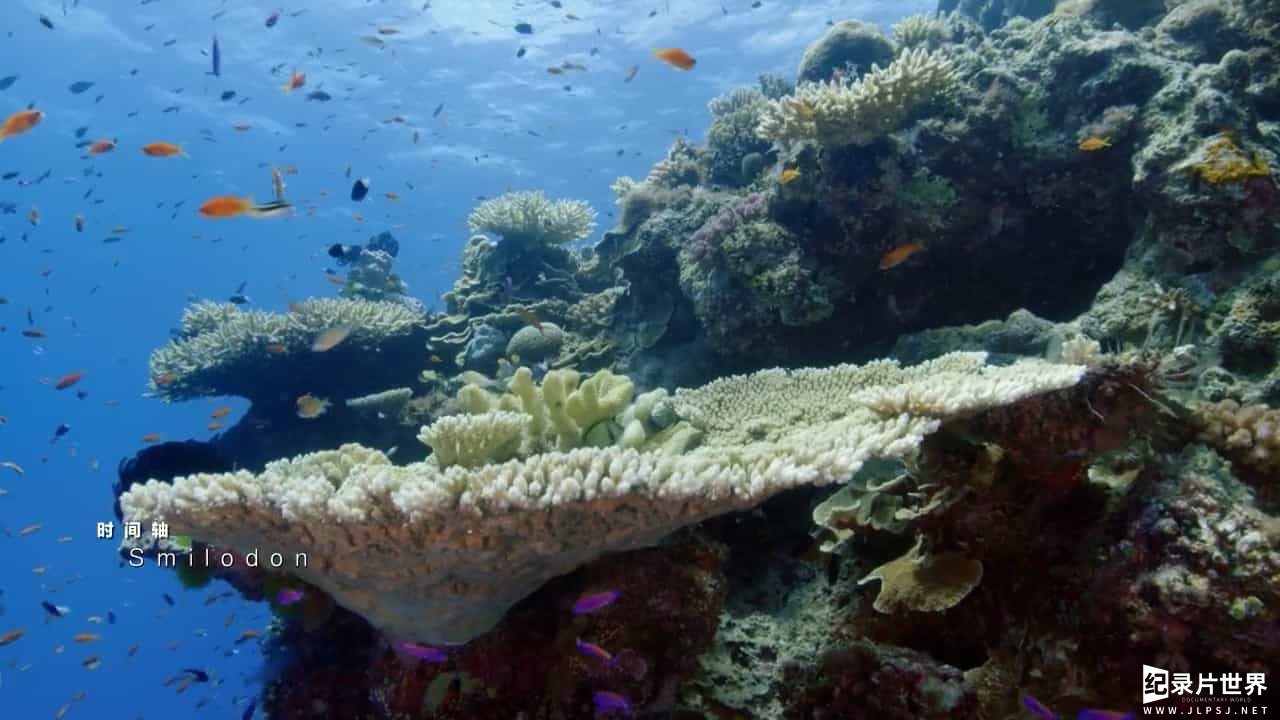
x=1061, y=221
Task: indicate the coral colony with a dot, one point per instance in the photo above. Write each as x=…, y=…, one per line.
x=941, y=384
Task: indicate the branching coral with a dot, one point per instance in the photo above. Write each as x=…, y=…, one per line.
x=223, y=350
x=530, y=217
x=839, y=113
x=440, y=554
x=921, y=31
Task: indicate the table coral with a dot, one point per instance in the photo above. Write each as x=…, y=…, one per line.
x=436, y=554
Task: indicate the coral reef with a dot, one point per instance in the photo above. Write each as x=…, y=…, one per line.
x=437, y=552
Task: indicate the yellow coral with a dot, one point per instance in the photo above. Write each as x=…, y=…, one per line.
x=1222, y=161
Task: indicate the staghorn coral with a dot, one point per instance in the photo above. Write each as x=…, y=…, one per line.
x=530, y=217
x=837, y=113
x=441, y=554
x=223, y=350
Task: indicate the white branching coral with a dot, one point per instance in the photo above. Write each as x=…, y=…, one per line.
x=221, y=349
x=439, y=551
x=842, y=113
x=917, y=31
x=528, y=216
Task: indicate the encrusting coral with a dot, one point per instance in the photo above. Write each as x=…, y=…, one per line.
x=441, y=553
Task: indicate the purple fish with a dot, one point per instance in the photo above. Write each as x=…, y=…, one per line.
x=1038, y=708
x=423, y=652
x=289, y=596
x=595, y=651
x=1103, y=715
x=609, y=701
x=590, y=602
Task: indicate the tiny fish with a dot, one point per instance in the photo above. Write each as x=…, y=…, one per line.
x=788, y=176
x=168, y=599
x=1038, y=708
x=197, y=674
x=606, y=701
x=899, y=255
x=289, y=596
x=79, y=86
x=423, y=652
x=272, y=19
x=631, y=73
x=360, y=189
x=54, y=610
x=675, y=57
x=247, y=635
x=1094, y=143
x=310, y=407
x=12, y=636
x=151, y=438
x=86, y=637
x=15, y=467
x=215, y=54
x=330, y=338
x=590, y=602
x=524, y=28
x=595, y=651
x=68, y=380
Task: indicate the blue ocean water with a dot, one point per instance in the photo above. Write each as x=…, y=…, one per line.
x=505, y=124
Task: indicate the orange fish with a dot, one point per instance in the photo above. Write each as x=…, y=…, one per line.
x=12, y=636
x=277, y=348
x=68, y=380
x=331, y=338
x=675, y=57
x=214, y=426
x=20, y=122
x=248, y=635
x=165, y=379
x=163, y=149
x=527, y=315
x=296, y=80
x=334, y=279
x=151, y=438
x=86, y=637
x=102, y=146
x=225, y=206
x=1094, y=143
x=33, y=333
x=220, y=413
x=899, y=255
x=788, y=176
x=79, y=221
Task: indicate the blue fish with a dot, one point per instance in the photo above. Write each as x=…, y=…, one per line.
x=217, y=58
